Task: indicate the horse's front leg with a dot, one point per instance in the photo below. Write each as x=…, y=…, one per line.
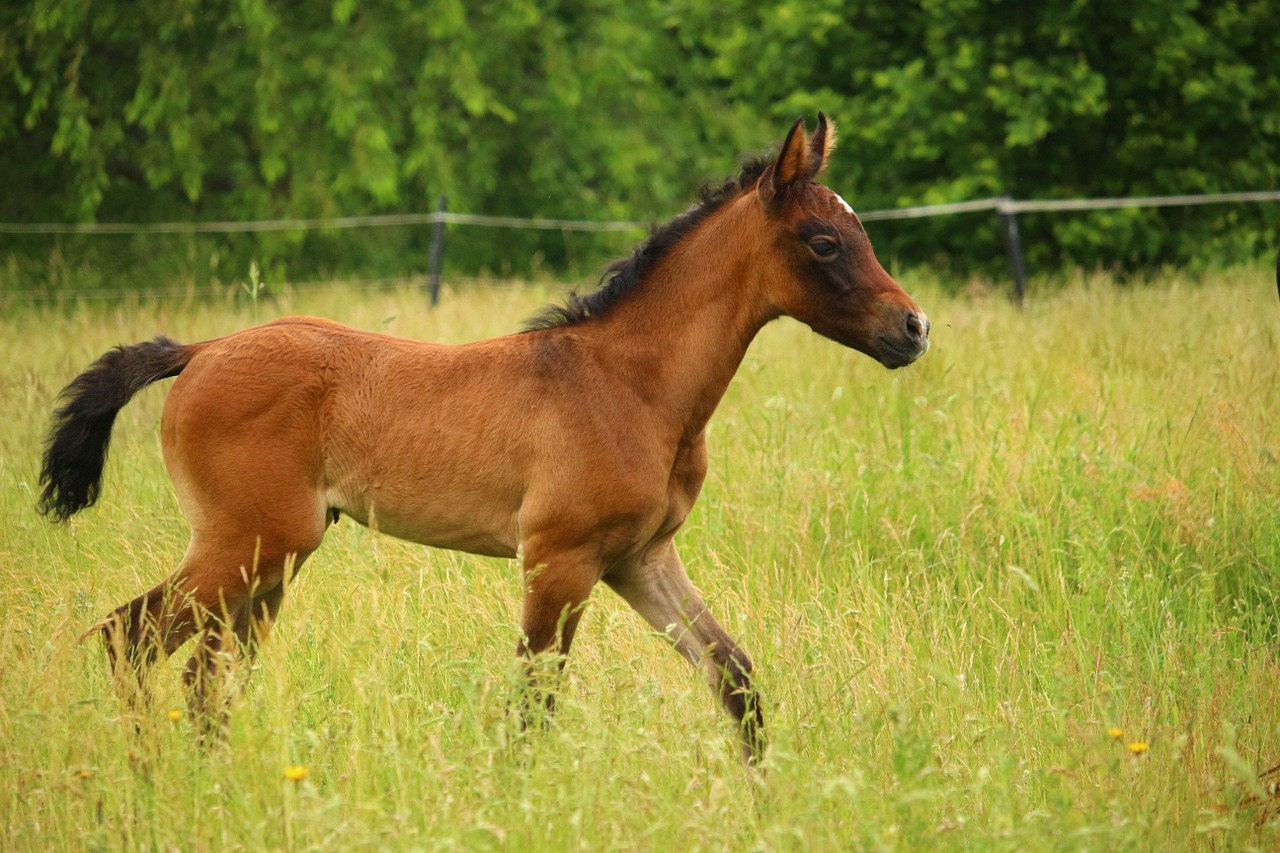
x=557, y=586
x=660, y=590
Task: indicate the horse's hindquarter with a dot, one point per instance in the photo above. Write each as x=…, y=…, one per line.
x=240, y=434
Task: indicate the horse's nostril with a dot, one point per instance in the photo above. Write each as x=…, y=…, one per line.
x=917, y=326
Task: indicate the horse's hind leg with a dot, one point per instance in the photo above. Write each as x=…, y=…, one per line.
x=132, y=637
x=240, y=440
x=233, y=590
x=155, y=624
x=210, y=675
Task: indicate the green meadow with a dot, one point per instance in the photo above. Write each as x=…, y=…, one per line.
x=1022, y=595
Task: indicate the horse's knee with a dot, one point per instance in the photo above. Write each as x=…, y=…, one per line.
x=554, y=600
x=730, y=673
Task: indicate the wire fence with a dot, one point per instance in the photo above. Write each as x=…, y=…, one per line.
x=1002, y=205
x=1008, y=209
x=439, y=217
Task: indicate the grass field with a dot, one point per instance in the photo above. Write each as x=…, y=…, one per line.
x=958, y=583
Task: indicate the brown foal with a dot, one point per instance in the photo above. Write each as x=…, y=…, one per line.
x=578, y=445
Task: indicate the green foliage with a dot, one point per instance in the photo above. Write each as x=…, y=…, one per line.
x=254, y=110
x=948, y=101
x=592, y=109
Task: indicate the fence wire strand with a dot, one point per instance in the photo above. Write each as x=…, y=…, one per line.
x=1000, y=205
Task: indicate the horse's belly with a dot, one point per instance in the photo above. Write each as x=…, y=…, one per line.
x=476, y=529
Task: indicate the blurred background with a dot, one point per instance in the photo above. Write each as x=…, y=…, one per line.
x=219, y=111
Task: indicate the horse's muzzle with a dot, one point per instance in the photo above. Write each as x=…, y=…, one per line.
x=899, y=350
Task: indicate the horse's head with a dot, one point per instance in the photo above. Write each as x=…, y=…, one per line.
x=827, y=275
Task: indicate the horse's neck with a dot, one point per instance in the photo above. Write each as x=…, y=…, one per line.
x=680, y=337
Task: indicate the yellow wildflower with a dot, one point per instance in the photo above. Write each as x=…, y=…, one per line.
x=295, y=773
x=1113, y=732
x=175, y=715
x=1137, y=747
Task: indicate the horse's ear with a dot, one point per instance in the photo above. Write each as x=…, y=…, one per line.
x=792, y=163
x=821, y=144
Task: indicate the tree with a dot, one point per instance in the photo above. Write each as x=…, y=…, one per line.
x=590, y=109
x=258, y=110
x=949, y=100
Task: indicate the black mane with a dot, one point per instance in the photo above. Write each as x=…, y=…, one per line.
x=622, y=276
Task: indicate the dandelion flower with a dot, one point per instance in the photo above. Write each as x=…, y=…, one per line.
x=1137, y=747
x=175, y=715
x=295, y=773
x=1115, y=733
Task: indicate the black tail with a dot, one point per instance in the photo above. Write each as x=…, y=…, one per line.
x=76, y=450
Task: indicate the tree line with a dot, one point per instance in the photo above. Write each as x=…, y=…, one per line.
x=589, y=109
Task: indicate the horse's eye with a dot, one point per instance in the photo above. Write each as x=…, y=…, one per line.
x=824, y=247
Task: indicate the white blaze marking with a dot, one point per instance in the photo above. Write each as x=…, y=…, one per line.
x=843, y=203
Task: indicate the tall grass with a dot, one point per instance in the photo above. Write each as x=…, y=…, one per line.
x=957, y=581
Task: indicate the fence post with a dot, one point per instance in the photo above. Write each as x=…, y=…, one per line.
x=435, y=257
x=1013, y=247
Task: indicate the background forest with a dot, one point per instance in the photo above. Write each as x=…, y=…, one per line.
x=584, y=109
